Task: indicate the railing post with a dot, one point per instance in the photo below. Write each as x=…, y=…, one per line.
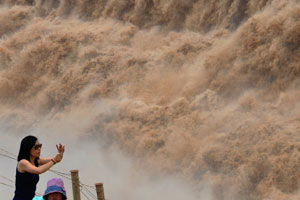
x=100, y=191
x=75, y=184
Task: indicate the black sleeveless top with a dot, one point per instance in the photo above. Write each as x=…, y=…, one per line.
x=25, y=185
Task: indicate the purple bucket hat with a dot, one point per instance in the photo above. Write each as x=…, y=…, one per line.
x=55, y=185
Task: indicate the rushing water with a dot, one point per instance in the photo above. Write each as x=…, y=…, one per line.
x=204, y=90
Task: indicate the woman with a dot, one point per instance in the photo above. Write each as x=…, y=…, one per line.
x=30, y=165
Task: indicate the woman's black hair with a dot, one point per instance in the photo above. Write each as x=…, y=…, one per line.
x=26, y=144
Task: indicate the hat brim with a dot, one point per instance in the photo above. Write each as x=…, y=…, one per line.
x=53, y=189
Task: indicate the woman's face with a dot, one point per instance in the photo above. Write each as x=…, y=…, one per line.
x=36, y=149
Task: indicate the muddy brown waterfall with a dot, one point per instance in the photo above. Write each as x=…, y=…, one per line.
x=207, y=91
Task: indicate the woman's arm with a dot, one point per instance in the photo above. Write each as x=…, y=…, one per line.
x=25, y=166
x=43, y=161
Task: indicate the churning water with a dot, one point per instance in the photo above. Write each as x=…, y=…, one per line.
x=204, y=90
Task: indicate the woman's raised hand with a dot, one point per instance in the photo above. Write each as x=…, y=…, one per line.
x=60, y=149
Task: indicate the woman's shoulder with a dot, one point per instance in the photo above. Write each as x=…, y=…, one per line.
x=23, y=161
x=22, y=164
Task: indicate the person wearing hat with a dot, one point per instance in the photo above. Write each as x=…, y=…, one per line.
x=55, y=190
